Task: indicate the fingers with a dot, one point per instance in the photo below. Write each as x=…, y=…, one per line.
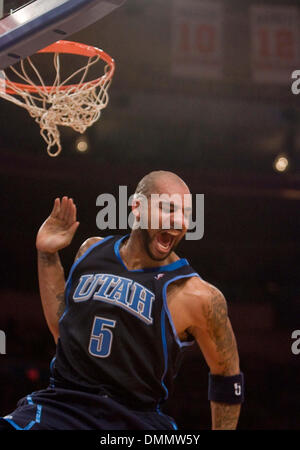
x=70, y=215
x=74, y=227
x=56, y=208
x=64, y=210
x=73, y=213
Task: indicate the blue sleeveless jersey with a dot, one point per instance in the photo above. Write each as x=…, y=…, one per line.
x=116, y=334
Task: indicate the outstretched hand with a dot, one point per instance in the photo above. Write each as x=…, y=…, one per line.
x=59, y=228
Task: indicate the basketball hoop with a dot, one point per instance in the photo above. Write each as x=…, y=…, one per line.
x=77, y=106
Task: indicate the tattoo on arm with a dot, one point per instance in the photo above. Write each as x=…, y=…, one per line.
x=224, y=416
x=61, y=304
x=220, y=331
x=48, y=259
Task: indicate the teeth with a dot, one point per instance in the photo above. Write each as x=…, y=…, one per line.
x=163, y=246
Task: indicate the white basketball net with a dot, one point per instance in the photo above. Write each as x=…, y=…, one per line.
x=76, y=106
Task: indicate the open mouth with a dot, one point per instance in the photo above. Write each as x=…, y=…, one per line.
x=165, y=241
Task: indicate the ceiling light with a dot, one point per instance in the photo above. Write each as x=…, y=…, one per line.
x=281, y=163
x=82, y=144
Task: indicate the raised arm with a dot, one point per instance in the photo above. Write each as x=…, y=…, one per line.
x=55, y=234
x=212, y=329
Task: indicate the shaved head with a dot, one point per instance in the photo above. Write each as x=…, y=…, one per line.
x=161, y=181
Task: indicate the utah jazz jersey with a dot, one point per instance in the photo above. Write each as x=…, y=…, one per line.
x=116, y=334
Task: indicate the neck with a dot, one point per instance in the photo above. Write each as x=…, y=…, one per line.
x=135, y=256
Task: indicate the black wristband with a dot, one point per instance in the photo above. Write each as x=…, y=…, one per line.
x=226, y=389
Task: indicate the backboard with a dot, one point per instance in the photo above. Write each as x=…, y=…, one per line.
x=30, y=26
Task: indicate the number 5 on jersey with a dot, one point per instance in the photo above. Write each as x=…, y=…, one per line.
x=101, y=337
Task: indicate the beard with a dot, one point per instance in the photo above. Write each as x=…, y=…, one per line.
x=147, y=240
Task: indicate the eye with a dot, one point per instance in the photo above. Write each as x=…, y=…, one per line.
x=166, y=207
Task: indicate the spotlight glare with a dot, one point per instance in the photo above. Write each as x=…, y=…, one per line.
x=82, y=145
x=281, y=163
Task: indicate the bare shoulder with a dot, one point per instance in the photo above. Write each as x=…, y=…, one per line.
x=203, y=300
x=201, y=290
x=86, y=245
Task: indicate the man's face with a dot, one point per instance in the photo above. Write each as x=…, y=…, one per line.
x=166, y=215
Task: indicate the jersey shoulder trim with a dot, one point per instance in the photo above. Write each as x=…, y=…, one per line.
x=166, y=268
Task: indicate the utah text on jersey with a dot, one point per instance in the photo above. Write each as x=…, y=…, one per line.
x=123, y=292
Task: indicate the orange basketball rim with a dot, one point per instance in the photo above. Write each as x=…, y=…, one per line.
x=76, y=105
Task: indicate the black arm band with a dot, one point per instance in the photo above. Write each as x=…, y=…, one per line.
x=226, y=389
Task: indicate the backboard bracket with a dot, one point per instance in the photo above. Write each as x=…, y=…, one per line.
x=41, y=23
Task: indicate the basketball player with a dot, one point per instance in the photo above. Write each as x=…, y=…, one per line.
x=129, y=308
